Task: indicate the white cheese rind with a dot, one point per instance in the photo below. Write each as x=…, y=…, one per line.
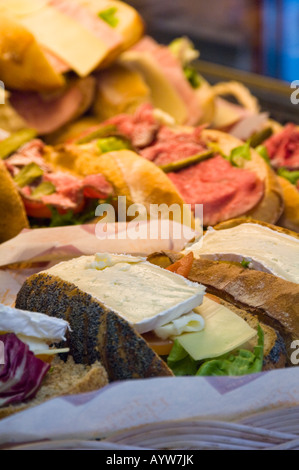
x=31, y=324
x=224, y=331
x=146, y=295
x=265, y=249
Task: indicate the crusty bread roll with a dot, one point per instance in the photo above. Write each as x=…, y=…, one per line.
x=13, y=216
x=272, y=300
x=290, y=216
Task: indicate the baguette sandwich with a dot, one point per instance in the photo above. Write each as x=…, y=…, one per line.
x=33, y=194
x=254, y=266
x=49, y=50
x=31, y=371
x=283, y=151
x=206, y=167
x=136, y=319
x=44, y=193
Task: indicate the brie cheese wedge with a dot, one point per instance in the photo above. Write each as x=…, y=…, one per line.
x=146, y=295
x=261, y=247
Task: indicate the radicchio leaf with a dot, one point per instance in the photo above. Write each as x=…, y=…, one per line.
x=22, y=373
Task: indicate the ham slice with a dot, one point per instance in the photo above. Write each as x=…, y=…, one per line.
x=225, y=191
x=47, y=114
x=71, y=191
x=173, y=72
x=283, y=148
x=141, y=128
x=94, y=24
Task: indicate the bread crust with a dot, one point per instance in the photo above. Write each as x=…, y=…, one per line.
x=290, y=216
x=13, y=216
x=23, y=64
x=98, y=333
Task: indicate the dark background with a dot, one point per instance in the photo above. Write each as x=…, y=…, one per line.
x=256, y=41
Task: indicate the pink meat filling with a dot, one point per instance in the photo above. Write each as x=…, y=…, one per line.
x=225, y=191
x=283, y=148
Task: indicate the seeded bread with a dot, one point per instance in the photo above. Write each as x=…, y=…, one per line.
x=97, y=333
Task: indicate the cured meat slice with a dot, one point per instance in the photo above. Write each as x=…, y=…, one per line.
x=225, y=191
x=283, y=148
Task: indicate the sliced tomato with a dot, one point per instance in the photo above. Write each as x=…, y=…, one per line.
x=39, y=210
x=183, y=266
x=162, y=347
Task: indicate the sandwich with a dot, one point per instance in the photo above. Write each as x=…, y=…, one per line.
x=138, y=318
x=194, y=160
x=252, y=265
x=49, y=50
x=283, y=152
x=34, y=195
x=48, y=194
x=31, y=370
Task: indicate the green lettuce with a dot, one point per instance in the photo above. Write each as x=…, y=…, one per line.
x=109, y=16
x=242, y=362
x=291, y=176
x=111, y=144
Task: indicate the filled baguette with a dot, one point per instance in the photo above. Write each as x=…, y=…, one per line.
x=105, y=329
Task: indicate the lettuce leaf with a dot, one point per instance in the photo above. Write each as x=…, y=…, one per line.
x=242, y=362
x=180, y=362
x=64, y=220
x=291, y=176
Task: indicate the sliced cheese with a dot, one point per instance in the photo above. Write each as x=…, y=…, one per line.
x=163, y=94
x=224, y=331
x=66, y=38
x=146, y=295
x=185, y=324
x=22, y=7
x=40, y=347
x=265, y=249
